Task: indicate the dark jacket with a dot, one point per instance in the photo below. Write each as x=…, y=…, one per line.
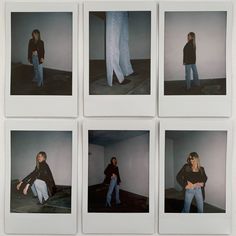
x=189, y=53
x=185, y=173
x=39, y=47
x=44, y=173
x=111, y=169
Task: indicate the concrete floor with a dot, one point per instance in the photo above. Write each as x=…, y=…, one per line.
x=208, y=87
x=139, y=84
x=55, y=82
x=174, y=202
x=130, y=202
x=59, y=203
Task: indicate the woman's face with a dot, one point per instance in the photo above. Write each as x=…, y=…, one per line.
x=193, y=161
x=114, y=162
x=189, y=37
x=36, y=36
x=40, y=158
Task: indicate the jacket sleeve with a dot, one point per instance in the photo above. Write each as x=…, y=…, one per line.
x=204, y=176
x=118, y=176
x=30, y=178
x=107, y=170
x=181, y=177
x=43, y=50
x=29, y=51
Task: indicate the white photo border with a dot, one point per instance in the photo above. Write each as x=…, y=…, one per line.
x=41, y=105
x=194, y=223
x=119, y=223
x=113, y=105
x=16, y=223
x=197, y=105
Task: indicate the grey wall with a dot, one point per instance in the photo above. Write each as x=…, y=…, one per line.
x=210, y=29
x=169, y=164
x=133, y=158
x=57, y=144
x=56, y=32
x=139, y=36
x=211, y=147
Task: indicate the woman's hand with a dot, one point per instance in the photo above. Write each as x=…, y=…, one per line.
x=189, y=185
x=199, y=185
x=25, y=190
x=42, y=60
x=113, y=176
x=18, y=185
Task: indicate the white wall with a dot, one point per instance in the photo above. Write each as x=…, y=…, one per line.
x=56, y=32
x=210, y=29
x=169, y=164
x=133, y=162
x=96, y=164
x=139, y=36
x=57, y=145
x=211, y=147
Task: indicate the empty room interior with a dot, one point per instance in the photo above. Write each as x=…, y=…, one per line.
x=210, y=31
x=24, y=147
x=56, y=33
x=139, y=27
x=211, y=148
x=131, y=148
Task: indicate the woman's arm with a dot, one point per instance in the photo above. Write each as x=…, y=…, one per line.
x=180, y=177
x=29, y=52
x=30, y=177
x=204, y=176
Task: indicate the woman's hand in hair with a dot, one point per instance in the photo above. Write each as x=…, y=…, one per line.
x=189, y=185
x=25, y=190
x=18, y=185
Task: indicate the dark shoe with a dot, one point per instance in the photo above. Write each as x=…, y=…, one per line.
x=132, y=75
x=108, y=204
x=124, y=82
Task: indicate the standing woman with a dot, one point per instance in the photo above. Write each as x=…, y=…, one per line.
x=189, y=60
x=117, y=47
x=36, y=56
x=113, y=179
x=192, y=178
x=40, y=180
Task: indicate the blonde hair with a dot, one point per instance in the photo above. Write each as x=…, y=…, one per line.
x=195, y=156
x=40, y=153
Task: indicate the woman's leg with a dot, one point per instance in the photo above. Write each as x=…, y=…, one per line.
x=188, y=76
x=124, y=47
x=35, y=62
x=196, y=80
x=117, y=194
x=189, y=194
x=110, y=190
x=41, y=189
x=34, y=190
x=40, y=75
x=113, y=31
x=199, y=200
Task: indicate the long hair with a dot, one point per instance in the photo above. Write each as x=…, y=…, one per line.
x=113, y=158
x=36, y=31
x=40, y=153
x=195, y=156
x=192, y=34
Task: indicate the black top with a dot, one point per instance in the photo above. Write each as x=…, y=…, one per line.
x=111, y=169
x=186, y=174
x=38, y=46
x=44, y=173
x=189, y=56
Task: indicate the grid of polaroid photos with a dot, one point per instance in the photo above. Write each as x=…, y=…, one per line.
x=117, y=117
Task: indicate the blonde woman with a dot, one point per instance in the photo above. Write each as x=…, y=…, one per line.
x=192, y=178
x=40, y=180
x=189, y=60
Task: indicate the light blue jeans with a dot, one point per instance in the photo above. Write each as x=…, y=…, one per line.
x=113, y=185
x=189, y=194
x=188, y=69
x=38, y=70
x=40, y=190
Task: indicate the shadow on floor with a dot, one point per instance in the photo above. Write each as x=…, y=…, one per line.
x=208, y=87
x=174, y=203
x=130, y=202
x=59, y=203
x=55, y=82
x=139, y=83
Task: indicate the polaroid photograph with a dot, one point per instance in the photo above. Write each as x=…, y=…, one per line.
x=115, y=153
x=119, y=58
x=195, y=59
x=195, y=179
x=41, y=56
x=40, y=177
